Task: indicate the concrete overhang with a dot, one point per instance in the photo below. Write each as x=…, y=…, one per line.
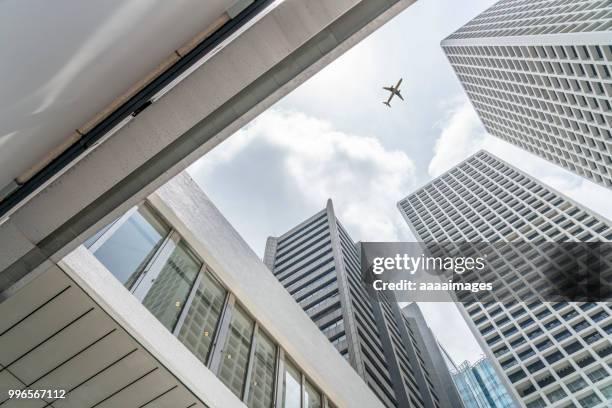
x=100, y=346
x=286, y=46
x=60, y=53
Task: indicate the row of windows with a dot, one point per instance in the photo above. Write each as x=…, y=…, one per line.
x=535, y=52
x=530, y=139
x=533, y=17
x=572, y=129
x=534, y=140
x=459, y=209
x=159, y=268
x=300, y=232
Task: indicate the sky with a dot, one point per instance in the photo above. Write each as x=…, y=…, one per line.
x=333, y=138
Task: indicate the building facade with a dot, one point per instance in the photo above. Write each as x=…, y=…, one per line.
x=547, y=354
x=480, y=387
x=319, y=265
x=539, y=74
x=433, y=359
x=167, y=306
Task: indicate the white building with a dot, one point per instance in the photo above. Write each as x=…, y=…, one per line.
x=167, y=307
x=547, y=354
x=539, y=74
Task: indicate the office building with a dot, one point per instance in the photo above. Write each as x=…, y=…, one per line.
x=319, y=265
x=433, y=358
x=167, y=306
x=547, y=354
x=539, y=74
x=480, y=387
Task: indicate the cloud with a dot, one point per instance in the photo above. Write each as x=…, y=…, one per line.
x=462, y=135
x=363, y=178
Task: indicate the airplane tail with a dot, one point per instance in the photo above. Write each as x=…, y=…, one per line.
x=387, y=103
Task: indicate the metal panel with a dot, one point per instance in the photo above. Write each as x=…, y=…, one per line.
x=42, y=323
x=61, y=347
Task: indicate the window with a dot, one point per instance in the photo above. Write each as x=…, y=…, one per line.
x=261, y=388
x=577, y=385
x=598, y=374
x=169, y=290
x=236, y=352
x=562, y=335
x=514, y=377
x=590, y=400
x=200, y=325
x=292, y=386
x=312, y=397
x=556, y=356
x=535, y=366
x=126, y=246
x=556, y=395
x=538, y=403
x=573, y=347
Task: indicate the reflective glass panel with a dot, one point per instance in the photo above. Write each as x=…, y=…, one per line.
x=128, y=250
x=312, y=397
x=292, y=388
x=200, y=325
x=261, y=389
x=236, y=350
x=166, y=297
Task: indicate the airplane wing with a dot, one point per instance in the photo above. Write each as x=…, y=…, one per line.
x=399, y=94
x=388, y=88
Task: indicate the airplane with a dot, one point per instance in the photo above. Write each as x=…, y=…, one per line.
x=394, y=91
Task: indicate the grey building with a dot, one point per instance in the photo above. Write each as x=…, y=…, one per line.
x=547, y=354
x=433, y=358
x=539, y=74
x=319, y=265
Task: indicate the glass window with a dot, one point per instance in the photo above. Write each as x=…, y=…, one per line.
x=200, y=325
x=236, y=352
x=577, y=385
x=292, y=386
x=130, y=247
x=312, y=397
x=166, y=297
x=261, y=388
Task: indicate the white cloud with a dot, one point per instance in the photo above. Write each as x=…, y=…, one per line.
x=363, y=178
x=462, y=135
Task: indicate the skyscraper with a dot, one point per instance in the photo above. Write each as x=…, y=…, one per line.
x=480, y=387
x=539, y=74
x=546, y=353
x=433, y=359
x=319, y=264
